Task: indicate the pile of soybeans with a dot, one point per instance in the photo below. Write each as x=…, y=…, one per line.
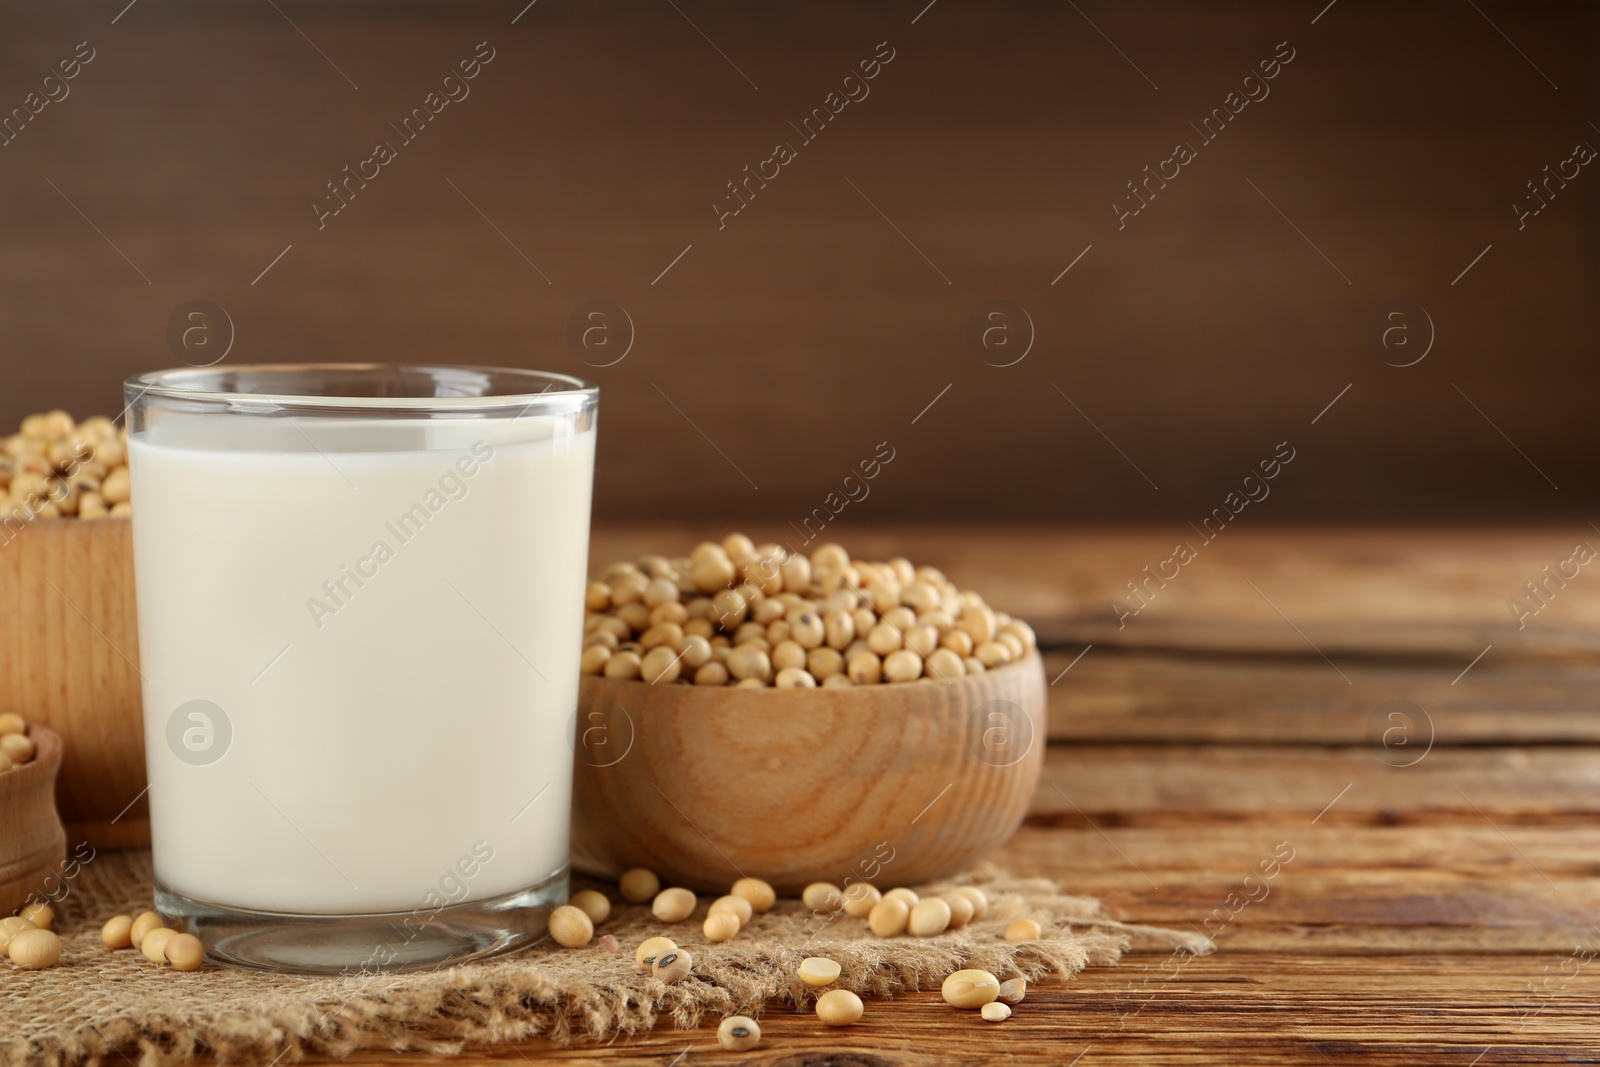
x=738, y=613
x=58, y=468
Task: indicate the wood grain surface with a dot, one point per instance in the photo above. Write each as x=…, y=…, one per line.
x=834, y=308
x=1436, y=910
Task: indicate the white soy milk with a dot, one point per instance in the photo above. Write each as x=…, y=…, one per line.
x=388, y=614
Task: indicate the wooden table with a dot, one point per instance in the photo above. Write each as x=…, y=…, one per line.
x=1442, y=901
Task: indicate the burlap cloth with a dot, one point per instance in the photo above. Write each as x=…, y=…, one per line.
x=96, y=1002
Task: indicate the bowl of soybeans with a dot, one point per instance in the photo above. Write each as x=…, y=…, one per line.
x=751, y=711
x=68, y=636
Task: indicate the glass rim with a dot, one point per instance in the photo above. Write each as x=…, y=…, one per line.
x=178, y=384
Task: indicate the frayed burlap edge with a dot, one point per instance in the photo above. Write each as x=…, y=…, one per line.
x=97, y=1006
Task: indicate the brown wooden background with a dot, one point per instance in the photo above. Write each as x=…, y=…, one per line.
x=809, y=329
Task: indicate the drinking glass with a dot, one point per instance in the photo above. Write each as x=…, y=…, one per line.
x=360, y=593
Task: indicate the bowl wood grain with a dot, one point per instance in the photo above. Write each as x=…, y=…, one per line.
x=894, y=784
x=69, y=654
x=33, y=845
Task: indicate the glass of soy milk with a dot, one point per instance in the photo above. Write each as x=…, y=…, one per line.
x=360, y=593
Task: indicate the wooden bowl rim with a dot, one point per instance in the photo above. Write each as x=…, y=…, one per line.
x=864, y=694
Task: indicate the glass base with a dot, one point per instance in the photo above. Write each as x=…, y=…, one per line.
x=393, y=943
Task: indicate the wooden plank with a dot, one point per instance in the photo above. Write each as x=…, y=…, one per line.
x=1218, y=1009
x=1112, y=694
x=1150, y=784
x=1310, y=998
x=1350, y=593
x=1468, y=929
x=1196, y=393
x=1289, y=982
x=1071, y=851
x=1342, y=890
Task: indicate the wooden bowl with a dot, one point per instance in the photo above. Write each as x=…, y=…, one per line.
x=33, y=846
x=69, y=646
x=893, y=784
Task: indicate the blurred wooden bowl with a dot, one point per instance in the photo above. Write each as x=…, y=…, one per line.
x=69, y=646
x=893, y=784
x=33, y=846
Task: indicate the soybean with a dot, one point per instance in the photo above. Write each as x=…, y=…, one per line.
x=992, y=654
x=33, y=949
x=864, y=668
x=859, y=899
x=154, y=944
x=711, y=674
x=143, y=924
x=595, y=905
x=818, y=971
x=884, y=639
x=738, y=1033
x=746, y=662
x=922, y=639
x=695, y=651
x=116, y=932
x=639, y=884
x=822, y=896
x=733, y=905
x=970, y=989
x=594, y=659
x=571, y=927
x=944, y=665
x=929, y=918
x=185, y=952
x=908, y=896
x=824, y=663
x=808, y=629
x=660, y=666
x=11, y=927
x=651, y=947
x=839, y=1007
x=957, y=641
x=672, y=966
x=795, y=678
x=888, y=917
x=840, y=628
x=673, y=905
x=960, y=910
x=18, y=748
x=979, y=899
x=721, y=926
x=760, y=895
x=902, y=665
x=623, y=665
